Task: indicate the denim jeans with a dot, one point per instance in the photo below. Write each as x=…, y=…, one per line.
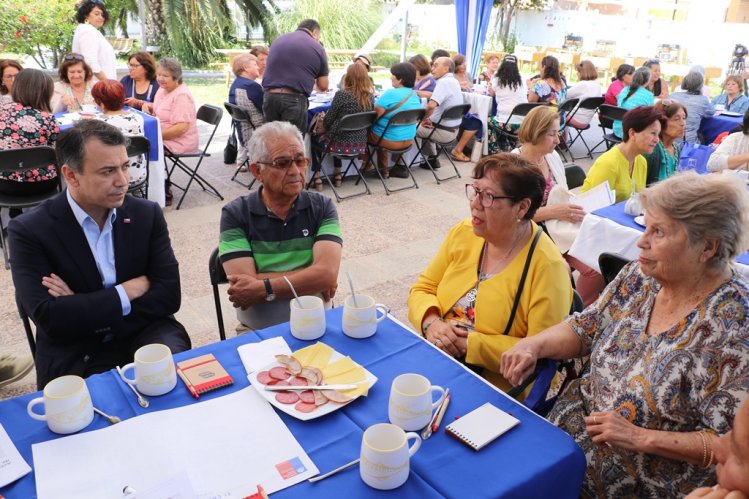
x=286, y=107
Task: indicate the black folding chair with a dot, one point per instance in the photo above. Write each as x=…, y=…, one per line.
x=565, y=109
x=358, y=122
x=21, y=161
x=27, y=327
x=451, y=113
x=240, y=117
x=611, y=264
x=140, y=146
x=588, y=103
x=218, y=276
x=212, y=116
x=575, y=175
x=521, y=110
x=607, y=115
x=407, y=117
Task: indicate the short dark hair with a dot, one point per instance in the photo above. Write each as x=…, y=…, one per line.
x=85, y=8
x=146, y=60
x=405, y=72
x=109, y=93
x=651, y=62
x=259, y=49
x=421, y=63
x=9, y=63
x=310, y=25
x=33, y=88
x=439, y=53
x=71, y=60
x=70, y=146
x=638, y=119
x=518, y=177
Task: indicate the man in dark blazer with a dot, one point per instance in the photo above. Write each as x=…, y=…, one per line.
x=93, y=267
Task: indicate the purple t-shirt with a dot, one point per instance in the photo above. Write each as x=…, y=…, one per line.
x=295, y=61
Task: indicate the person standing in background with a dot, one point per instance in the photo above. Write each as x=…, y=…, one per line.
x=88, y=40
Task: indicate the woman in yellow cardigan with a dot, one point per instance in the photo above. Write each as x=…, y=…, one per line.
x=623, y=166
x=462, y=302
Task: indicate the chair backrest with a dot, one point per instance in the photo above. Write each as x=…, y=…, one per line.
x=591, y=102
x=568, y=105
x=218, y=276
x=613, y=113
x=29, y=158
x=357, y=121
x=575, y=175
x=407, y=117
x=27, y=327
x=211, y=115
x=138, y=145
x=577, y=303
x=523, y=109
x=455, y=112
x=238, y=114
x=611, y=264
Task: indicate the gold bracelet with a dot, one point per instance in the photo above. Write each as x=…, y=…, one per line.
x=704, y=449
x=710, y=446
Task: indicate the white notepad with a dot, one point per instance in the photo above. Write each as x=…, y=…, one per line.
x=481, y=426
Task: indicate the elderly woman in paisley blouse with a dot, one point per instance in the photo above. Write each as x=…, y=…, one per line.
x=669, y=347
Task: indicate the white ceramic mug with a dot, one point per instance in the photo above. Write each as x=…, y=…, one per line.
x=385, y=455
x=360, y=320
x=154, y=370
x=67, y=405
x=410, y=405
x=307, y=322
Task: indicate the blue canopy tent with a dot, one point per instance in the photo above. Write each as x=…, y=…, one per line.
x=473, y=21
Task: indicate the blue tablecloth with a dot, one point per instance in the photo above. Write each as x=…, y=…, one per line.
x=715, y=125
x=615, y=212
x=150, y=130
x=534, y=459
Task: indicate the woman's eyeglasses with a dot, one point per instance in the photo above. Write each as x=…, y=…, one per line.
x=9, y=77
x=74, y=57
x=135, y=66
x=285, y=163
x=485, y=198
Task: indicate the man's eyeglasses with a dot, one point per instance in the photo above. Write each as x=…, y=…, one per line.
x=74, y=57
x=285, y=163
x=485, y=198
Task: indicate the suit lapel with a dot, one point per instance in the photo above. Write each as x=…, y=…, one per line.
x=73, y=242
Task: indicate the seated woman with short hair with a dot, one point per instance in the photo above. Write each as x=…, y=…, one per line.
x=246, y=93
x=697, y=105
x=73, y=91
x=463, y=301
x=733, y=99
x=109, y=95
x=425, y=82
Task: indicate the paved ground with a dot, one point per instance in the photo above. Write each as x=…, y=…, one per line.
x=388, y=240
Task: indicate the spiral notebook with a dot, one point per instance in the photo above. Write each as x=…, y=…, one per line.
x=203, y=374
x=481, y=426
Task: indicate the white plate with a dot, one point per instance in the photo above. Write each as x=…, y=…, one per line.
x=289, y=408
x=640, y=220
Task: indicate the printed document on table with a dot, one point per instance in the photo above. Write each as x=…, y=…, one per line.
x=12, y=465
x=596, y=198
x=226, y=446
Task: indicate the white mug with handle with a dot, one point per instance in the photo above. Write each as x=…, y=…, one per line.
x=67, y=405
x=411, y=405
x=360, y=317
x=385, y=456
x=154, y=370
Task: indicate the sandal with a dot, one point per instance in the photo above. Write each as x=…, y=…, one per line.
x=459, y=156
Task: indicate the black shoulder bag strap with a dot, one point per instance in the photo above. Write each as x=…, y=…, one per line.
x=521, y=284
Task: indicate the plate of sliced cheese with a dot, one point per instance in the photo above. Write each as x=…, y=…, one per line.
x=314, y=365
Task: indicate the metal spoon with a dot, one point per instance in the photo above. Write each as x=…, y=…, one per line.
x=141, y=399
x=111, y=419
x=331, y=473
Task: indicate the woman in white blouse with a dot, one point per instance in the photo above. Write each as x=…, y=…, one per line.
x=88, y=40
x=733, y=152
x=509, y=89
x=588, y=86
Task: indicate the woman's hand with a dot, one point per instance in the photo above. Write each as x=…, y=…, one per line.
x=69, y=102
x=147, y=108
x=567, y=212
x=447, y=338
x=518, y=362
x=715, y=493
x=133, y=102
x=613, y=429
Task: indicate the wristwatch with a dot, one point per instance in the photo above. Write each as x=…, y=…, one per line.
x=269, y=294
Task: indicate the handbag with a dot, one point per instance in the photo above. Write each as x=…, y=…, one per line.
x=230, y=151
x=317, y=125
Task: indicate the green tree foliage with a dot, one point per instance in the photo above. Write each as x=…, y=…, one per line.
x=42, y=30
x=507, y=10
x=195, y=28
x=346, y=24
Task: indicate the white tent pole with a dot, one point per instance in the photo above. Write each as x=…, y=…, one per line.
x=404, y=37
x=398, y=12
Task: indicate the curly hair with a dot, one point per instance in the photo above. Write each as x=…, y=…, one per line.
x=85, y=8
x=508, y=74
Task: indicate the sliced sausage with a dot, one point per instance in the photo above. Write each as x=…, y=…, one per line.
x=307, y=397
x=279, y=373
x=287, y=397
x=264, y=377
x=297, y=381
x=305, y=407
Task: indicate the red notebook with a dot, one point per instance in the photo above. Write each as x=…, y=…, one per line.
x=203, y=374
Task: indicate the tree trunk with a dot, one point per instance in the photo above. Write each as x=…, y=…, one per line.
x=156, y=24
x=507, y=14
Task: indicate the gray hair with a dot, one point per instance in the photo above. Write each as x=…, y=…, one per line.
x=70, y=147
x=692, y=83
x=641, y=77
x=173, y=66
x=240, y=62
x=257, y=148
x=710, y=207
x=447, y=61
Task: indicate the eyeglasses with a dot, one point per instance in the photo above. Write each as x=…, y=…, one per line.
x=9, y=77
x=74, y=57
x=486, y=199
x=135, y=66
x=285, y=163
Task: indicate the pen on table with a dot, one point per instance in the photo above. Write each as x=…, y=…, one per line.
x=189, y=386
x=441, y=413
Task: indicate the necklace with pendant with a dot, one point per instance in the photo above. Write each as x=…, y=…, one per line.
x=486, y=275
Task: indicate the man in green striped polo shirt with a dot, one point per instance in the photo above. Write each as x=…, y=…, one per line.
x=278, y=230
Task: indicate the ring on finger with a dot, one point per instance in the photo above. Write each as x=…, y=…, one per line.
x=595, y=420
x=437, y=342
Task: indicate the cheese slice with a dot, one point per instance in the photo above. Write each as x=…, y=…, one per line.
x=317, y=355
x=340, y=366
x=362, y=389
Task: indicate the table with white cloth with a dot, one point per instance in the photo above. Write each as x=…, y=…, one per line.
x=481, y=106
x=156, y=167
x=611, y=230
x=534, y=459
